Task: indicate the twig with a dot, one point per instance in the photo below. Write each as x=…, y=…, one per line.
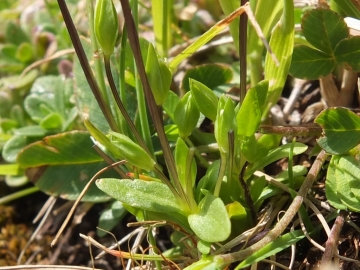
x=92, y=180
x=226, y=259
x=333, y=239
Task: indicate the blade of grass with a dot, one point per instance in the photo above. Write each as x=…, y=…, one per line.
x=282, y=43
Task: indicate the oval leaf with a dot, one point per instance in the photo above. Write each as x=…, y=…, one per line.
x=212, y=223
x=341, y=130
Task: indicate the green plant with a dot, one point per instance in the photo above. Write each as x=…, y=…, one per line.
x=207, y=186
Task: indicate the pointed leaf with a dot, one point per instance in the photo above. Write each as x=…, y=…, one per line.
x=152, y=196
x=205, y=99
x=249, y=116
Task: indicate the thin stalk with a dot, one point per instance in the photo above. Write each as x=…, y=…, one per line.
x=249, y=201
x=154, y=110
x=121, y=105
x=99, y=74
x=122, y=86
x=144, y=123
x=222, y=170
x=242, y=51
x=153, y=246
x=86, y=67
x=165, y=24
x=226, y=259
x=201, y=159
x=19, y=194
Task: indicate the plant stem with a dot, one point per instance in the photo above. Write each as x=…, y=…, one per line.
x=86, y=67
x=144, y=123
x=222, y=171
x=227, y=259
x=249, y=201
x=121, y=105
x=201, y=159
x=155, y=111
x=291, y=131
x=19, y=194
x=242, y=52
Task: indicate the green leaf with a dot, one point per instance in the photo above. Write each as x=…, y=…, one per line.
x=249, y=116
x=208, y=181
x=186, y=115
x=212, y=223
x=181, y=160
x=225, y=123
x=106, y=25
x=9, y=169
x=159, y=75
x=13, y=146
x=132, y=152
x=152, y=196
x=228, y=6
x=52, y=121
x=25, y=52
x=68, y=180
x=350, y=8
x=282, y=43
x=275, y=154
x=341, y=130
x=342, y=183
x=211, y=75
x=347, y=53
x=73, y=147
x=110, y=217
x=205, y=99
x=272, y=248
x=310, y=64
x=324, y=29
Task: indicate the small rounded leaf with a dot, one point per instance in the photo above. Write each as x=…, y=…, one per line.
x=106, y=25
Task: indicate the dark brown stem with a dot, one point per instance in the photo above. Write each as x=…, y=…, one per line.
x=242, y=51
x=85, y=66
x=248, y=199
x=155, y=111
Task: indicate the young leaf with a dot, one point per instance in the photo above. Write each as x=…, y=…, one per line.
x=249, y=116
x=132, y=152
x=205, y=99
x=186, y=115
x=225, y=122
x=106, y=25
x=181, y=160
x=341, y=130
x=159, y=75
x=282, y=43
x=211, y=75
x=324, y=29
x=212, y=223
